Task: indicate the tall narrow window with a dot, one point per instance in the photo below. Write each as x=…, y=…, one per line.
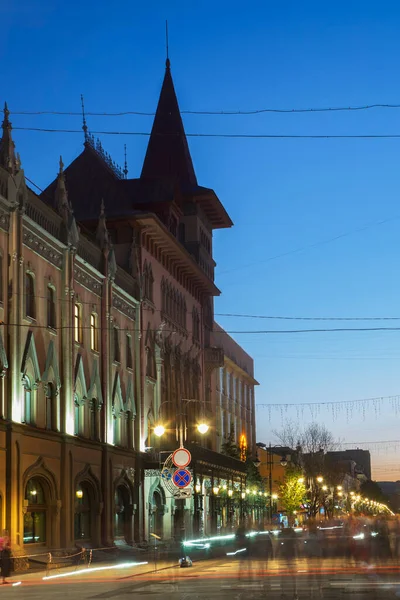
x=94, y=333
x=30, y=309
x=51, y=307
x=1, y=277
x=129, y=359
x=93, y=420
x=77, y=425
x=28, y=413
x=50, y=407
x=78, y=323
x=117, y=353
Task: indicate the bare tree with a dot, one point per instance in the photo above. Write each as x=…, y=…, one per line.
x=313, y=438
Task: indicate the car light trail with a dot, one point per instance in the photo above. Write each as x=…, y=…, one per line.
x=94, y=570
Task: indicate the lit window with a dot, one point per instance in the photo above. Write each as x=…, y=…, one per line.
x=94, y=333
x=78, y=323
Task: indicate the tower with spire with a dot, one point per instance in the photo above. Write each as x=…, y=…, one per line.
x=9, y=159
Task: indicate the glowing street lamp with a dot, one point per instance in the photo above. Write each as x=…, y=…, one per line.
x=324, y=487
x=320, y=479
x=159, y=430
x=301, y=480
x=202, y=428
x=339, y=488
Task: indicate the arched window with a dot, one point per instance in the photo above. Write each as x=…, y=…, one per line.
x=78, y=323
x=51, y=409
x=51, y=307
x=94, y=332
x=83, y=511
x=30, y=308
x=35, y=516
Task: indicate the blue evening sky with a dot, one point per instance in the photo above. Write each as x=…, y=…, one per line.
x=282, y=194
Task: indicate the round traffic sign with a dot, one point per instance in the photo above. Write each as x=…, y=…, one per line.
x=181, y=457
x=181, y=478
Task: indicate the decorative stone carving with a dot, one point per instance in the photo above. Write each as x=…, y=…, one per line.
x=124, y=307
x=92, y=284
x=35, y=243
x=4, y=221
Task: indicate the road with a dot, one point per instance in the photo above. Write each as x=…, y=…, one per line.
x=221, y=579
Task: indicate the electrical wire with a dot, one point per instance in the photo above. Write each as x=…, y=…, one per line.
x=213, y=112
x=246, y=316
x=221, y=135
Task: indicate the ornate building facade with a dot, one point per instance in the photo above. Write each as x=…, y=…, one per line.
x=234, y=386
x=107, y=338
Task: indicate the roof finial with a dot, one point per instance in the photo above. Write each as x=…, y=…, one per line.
x=167, y=62
x=8, y=158
x=125, y=171
x=84, y=125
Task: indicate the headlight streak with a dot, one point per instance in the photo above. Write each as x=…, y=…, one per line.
x=94, y=570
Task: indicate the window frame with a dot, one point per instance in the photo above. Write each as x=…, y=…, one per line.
x=78, y=325
x=94, y=332
x=116, y=350
x=129, y=351
x=51, y=307
x=30, y=301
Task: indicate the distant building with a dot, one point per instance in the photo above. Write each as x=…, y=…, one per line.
x=361, y=458
x=234, y=385
x=391, y=489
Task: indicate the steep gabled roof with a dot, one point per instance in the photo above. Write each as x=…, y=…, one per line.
x=168, y=156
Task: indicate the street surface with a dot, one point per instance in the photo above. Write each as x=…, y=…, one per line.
x=212, y=579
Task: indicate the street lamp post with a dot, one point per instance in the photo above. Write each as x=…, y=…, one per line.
x=283, y=462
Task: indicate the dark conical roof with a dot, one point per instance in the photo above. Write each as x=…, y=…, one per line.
x=168, y=156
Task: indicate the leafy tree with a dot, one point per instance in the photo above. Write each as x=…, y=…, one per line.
x=229, y=446
x=292, y=491
x=253, y=477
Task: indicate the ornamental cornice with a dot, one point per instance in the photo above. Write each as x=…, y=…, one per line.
x=87, y=280
x=43, y=248
x=127, y=309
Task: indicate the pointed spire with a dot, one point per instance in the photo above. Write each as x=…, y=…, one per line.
x=167, y=61
x=168, y=156
x=61, y=196
x=8, y=159
x=102, y=232
x=125, y=171
x=84, y=125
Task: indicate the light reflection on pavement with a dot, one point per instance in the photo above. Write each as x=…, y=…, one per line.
x=219, y=579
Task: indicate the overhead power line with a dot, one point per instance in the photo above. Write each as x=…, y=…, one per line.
x=242, y=316
x=211, y=112
x=223, y=135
